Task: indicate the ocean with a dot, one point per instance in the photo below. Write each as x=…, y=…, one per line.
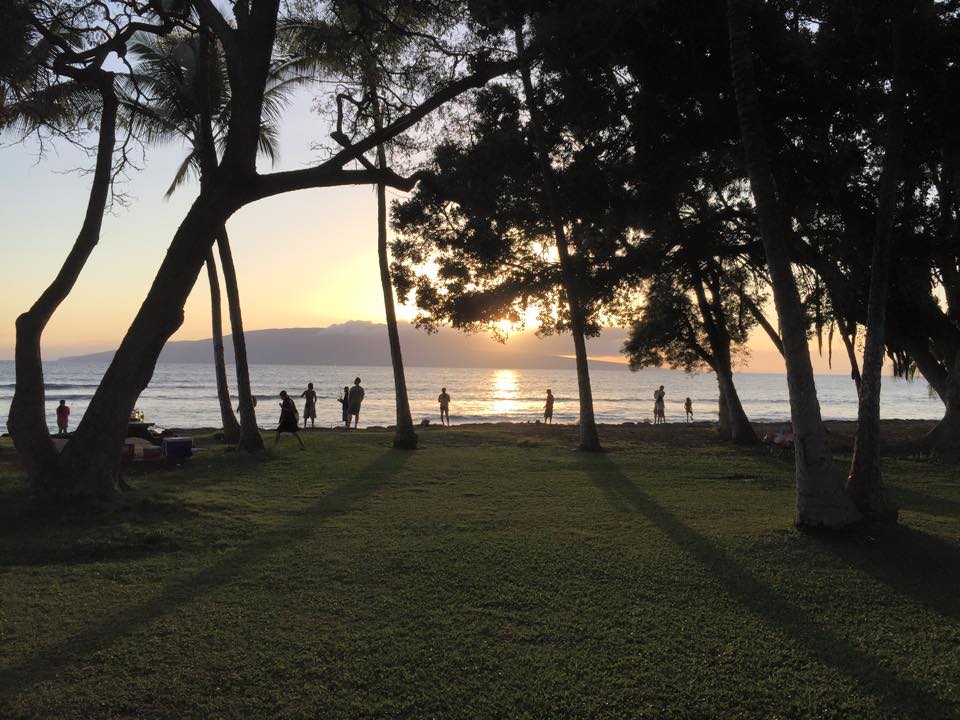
x=184, y=395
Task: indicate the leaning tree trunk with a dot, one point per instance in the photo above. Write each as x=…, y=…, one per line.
x=231, y=428
x=405, y=437
x=589, y=438
x=865, y=483
x=741, y=431
x=945, y=436
x=250, y=438
x=821, y=500
x=90, y=463
x=27, y=420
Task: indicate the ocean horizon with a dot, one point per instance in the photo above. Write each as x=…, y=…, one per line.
x=183, y=395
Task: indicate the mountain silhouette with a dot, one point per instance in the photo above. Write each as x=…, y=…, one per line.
x=360, y=343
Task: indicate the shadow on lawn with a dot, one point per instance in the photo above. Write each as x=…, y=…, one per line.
x=901, y=695
x=179, y=591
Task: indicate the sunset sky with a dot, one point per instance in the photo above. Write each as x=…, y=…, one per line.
x=304, y=259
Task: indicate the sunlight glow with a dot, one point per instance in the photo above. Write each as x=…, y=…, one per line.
x=504, y=391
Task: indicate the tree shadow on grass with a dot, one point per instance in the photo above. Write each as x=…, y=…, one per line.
x=902, y=696
x=181, y=590
x=910, y=499
x=913, y=563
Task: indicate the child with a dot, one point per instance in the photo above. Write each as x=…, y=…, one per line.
x=63, y=417
x=688, y=406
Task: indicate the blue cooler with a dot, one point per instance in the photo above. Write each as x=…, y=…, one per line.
x=177, y=449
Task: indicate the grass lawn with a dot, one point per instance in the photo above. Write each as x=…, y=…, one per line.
x=493, y=573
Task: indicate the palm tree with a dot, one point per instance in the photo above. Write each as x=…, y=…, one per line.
x=821, y=500
x=33, y=97
x=589, y=438
x=188, y=96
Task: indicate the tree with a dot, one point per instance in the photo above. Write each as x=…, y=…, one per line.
x=821, y=500
x=89, y=464
x=63, y=85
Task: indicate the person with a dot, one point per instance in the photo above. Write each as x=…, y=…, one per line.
x=658, y=414
x=289, y=420
x=548, y=407
x=354, y=398
x=444, y=400
x=309, y=405
x=345, y=405
x=63, y=417
x=688, y=407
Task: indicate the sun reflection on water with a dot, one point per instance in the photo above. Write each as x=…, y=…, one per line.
x=505, y=392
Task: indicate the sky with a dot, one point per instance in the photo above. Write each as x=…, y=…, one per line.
x=305, y=259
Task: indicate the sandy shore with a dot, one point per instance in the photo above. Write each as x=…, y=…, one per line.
x=899, y=436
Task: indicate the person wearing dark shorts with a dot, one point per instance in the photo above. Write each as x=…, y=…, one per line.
x=354, y=399
x=289, y=422
x=63, y=417
x=548, y=408
x=309, y=405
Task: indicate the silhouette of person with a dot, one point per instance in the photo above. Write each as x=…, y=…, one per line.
x=63, y=417
x=548, y=407
x=354, y=399
x=658, y=414
x=345, y=405
x=444, y=399
x=289, y=422
x=688, y=407
x=309, y=405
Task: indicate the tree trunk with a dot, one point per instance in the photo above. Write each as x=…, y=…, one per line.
x=821, y=500
x=405, y=437
x=250, y=438
x=741, y=431
x=27, y=420
x=231, y=428
x=723, y=414
x=945, y=436
x=90, y=463
x=848, y=334
x=865, y=482
x=589, y=438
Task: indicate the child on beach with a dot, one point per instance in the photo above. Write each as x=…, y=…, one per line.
x=309, y=405
x=444, y=400
x=688, y=407
x=345, y=405
x=289, y=420
x=548, y=408
x=63, y=417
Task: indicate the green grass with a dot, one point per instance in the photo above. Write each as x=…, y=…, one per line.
x=493, y=573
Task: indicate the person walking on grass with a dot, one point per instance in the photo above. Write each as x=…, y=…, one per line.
x=345, y=405
x=658, y=411
x=309, y=406
x=289, y=419
x=688, y=408
x=444, y=400
x=63, y=417
x=354, y=400
x=548, y=408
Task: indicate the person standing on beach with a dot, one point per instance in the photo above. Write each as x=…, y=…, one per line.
x=63, y=417
x=688, y=407
x=658, y=414
x=309, y=405
x=354, y=399
x=548, y=408
x=289, y=420
x=345, y=405
x=444, y=399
